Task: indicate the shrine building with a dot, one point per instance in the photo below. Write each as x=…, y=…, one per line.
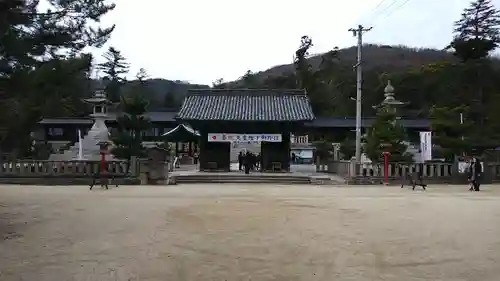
x=224, y=116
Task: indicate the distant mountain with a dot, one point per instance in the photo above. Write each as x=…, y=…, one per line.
x=388, y=58
x=161, y=93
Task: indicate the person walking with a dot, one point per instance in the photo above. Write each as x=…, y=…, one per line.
x=195, y=157
x=240, y=161
x=475, y=169
x=247, y=162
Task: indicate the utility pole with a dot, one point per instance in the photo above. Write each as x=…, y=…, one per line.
x=358, y=32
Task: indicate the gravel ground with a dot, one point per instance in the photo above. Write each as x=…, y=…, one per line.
x=249, y=232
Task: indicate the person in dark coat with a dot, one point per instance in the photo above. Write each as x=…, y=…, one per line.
x=247, y=162
x=254, y=162
x=475, y=174
x=240, y=160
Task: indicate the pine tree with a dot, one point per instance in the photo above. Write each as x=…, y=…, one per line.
x=115, y=67
x=132, y=123
x=451, y=134
x=39, y=45
x=142, y=76
x=348, y=148
x=127, y=139
x=387, y=135
x=477, y=33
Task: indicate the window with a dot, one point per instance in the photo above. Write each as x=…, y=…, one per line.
x=56, y=132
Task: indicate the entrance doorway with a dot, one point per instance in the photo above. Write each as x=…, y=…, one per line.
x=240, y=149
x=263, y=152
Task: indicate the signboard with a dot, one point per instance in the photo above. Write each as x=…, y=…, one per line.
x=299, y=139
x=244, y=137
x=426, y=146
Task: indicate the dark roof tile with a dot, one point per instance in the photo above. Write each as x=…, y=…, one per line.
x=154, y=116
x=349, y=122
x=246, y=105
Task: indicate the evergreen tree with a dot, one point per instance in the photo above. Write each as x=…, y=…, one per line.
x=42, y=62
x=387, y=135
x=132, y=123
x=115, y=67
x=127, y=139
x=142, y=76
x=451, y=131
x=219, y=83
x=348, y=148
x=477, y=33
x=320, y=84
x=249, y=80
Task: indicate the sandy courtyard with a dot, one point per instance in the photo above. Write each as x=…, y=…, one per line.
x=249, y=232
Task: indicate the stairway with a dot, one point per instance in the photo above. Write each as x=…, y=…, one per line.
x=239, y=178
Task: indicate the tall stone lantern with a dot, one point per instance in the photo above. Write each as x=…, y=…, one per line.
x=390, y=102
x=100, y=105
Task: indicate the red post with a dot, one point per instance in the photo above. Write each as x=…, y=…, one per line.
x=386, y=168
x=103, y=162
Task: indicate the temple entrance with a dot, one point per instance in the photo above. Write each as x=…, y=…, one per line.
x=262, y=152
x=252, y=147
x=263, y=119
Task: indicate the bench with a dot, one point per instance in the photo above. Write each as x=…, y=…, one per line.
x=276, y=166
x=212, y=166
x=106, y=178
x=414, y=179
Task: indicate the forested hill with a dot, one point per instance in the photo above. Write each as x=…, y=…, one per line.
x=390, y=58
x=163, y=93
x=381, y=58
x=422, y=77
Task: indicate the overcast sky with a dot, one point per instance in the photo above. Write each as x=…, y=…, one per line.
x=199, y=41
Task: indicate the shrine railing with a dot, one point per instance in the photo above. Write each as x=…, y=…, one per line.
x=442, y=172
x=37, y=168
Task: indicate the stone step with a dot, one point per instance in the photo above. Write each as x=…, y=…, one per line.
x=201, y=178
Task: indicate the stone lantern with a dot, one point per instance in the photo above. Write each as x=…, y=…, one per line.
x=390, y=102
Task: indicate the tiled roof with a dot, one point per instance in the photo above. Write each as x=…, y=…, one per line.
x=246, y=105
x=319, y=122
x=154, y=116
x=64, y=121
x=180, y=129
x=350, y=122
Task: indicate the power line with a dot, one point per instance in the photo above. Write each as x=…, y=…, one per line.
x=373, y=10
x=367, y=15
x=387, y=8
x=394, y=10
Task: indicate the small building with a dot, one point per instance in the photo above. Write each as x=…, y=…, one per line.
x=223, y=116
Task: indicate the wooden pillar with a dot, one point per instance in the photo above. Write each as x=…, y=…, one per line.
x=203, y=151
x=285, y=146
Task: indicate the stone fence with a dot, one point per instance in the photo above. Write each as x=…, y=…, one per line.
x=64, y=172
x=441, y=172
